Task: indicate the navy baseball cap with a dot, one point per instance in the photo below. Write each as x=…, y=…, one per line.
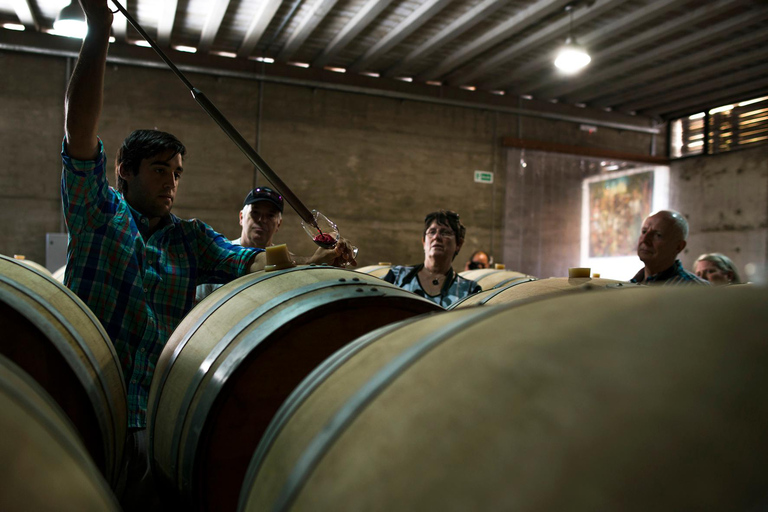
x=264, y=194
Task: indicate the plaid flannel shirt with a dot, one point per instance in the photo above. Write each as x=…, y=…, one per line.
x=138, y=284
x=454, y=288
x=674, y=275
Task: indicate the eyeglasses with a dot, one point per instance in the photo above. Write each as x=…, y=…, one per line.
x=447, y=213
x=445, y=233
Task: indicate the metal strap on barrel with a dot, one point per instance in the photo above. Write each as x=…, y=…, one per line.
x=355, y=405
x=496, y=290
x=240, y=353
x=499, y=288
x=77, y=453
x=67, y=352
x=307, y=387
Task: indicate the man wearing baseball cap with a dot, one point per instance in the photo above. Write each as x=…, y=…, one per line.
x=260, y=218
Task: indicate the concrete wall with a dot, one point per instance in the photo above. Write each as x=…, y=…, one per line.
x=725, y=199
x=374, y=165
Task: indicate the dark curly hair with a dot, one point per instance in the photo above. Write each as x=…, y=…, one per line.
x=446, y=218
x=141, y=144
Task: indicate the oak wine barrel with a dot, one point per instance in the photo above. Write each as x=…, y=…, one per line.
x=523, y=289
x=580, y=402
x=55, y=338
x=44, y=465
x=375, y=270
x=489, y=278
x=238, y=354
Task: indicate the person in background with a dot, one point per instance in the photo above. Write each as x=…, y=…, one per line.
x=260, y=218
x=662, y=237
x=133, y=262
x=435, y=279
x=479, y=259
x=716, y=268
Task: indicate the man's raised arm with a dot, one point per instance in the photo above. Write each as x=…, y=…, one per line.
x=82, y=106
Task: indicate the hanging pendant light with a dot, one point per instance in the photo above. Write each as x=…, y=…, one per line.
x=70, y=21
x=571, y=57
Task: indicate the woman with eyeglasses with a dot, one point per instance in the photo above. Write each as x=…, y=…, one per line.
x=435, y=279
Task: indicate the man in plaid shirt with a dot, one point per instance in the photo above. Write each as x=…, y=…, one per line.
x=662, y=237
x=133, y=262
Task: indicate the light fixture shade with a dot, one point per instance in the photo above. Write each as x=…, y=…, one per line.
x=70, y=21
x=571, y=57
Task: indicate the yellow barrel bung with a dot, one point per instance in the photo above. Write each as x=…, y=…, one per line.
x=579, y=272
x=278, y=258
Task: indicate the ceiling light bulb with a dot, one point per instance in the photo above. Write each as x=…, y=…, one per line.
x=70, y=21
x=571, y=57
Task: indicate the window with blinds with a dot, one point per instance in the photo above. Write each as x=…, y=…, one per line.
x=728, y=127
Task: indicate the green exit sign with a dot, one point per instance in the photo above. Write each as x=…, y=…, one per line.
x=483, y=177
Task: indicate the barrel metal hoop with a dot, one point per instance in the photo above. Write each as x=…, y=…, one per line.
x=238, y=354
x=496, y=290
x=69, y=355
x=343, y=418
x=507, y=286
x=307, y=387
x=504, y=283
x=78, y=453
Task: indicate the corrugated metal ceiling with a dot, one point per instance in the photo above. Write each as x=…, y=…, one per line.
x=650, y=58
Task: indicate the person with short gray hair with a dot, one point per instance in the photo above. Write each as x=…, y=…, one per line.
x=716, y=268
x=662, y=237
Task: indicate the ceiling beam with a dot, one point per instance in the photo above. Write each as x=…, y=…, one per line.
x=649, y=57
x=702, y=57
x=266, y=11
x=361, y=20
x=716, y=68
x=212, y=24
x=26, y=11
x=724, y=81
x=165, y=23
x=554, y=30
x=517, y=23
x=625, y=25
x=468, y=20
x=306, y=26
x=707, y=101
x=416, y=19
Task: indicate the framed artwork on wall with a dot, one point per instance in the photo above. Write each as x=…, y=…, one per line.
x=617, y=208
x=614, y=205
